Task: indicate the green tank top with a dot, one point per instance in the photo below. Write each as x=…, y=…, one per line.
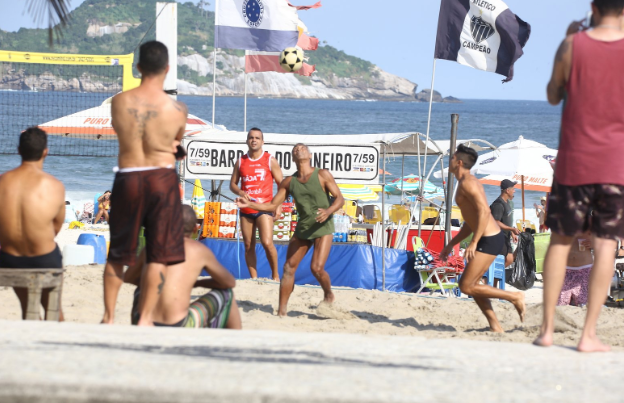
x=309, y=197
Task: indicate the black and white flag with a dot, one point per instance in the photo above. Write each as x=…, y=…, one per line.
x=481, y=34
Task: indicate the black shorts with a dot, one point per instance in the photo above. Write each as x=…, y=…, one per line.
x=491, y=245
x=253, y=216
x=52, y=260
x=507, y=246
x=570, y=208
x=149, y=199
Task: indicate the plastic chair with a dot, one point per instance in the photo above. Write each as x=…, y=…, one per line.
x=350, y=208
x=399, y=213
x=496, y=271
x=522, y=225
x=429, y=212
x=456, y=214
x=372, y=214
x=96, y=207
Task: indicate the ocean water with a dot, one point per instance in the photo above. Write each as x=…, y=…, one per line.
x=496, y=121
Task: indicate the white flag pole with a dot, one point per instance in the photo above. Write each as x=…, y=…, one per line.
x=245, y=113
x=422, y=185
x=214, y=84
x=214, y=64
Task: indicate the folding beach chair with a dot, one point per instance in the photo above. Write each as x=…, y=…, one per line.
x=442, y=276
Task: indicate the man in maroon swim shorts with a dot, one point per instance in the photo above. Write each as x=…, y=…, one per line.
x=149, y=126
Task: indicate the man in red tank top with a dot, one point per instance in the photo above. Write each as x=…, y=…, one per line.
x=588, y=179
x=256, y=172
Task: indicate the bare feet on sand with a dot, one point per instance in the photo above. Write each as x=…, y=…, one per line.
x=520, y=306
x=497, y=329
x=592, y=345
x=545, y=339
x=329, y=297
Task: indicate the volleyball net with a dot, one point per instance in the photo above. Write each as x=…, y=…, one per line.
x=67, y=95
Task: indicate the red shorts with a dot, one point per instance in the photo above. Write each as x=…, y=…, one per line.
x=149, y=199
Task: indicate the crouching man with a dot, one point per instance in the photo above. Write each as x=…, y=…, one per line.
x=216, y=309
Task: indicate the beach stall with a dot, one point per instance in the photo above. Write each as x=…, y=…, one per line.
x=352, y=159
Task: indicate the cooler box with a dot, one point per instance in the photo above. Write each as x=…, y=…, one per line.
x=98, y=242
x=77, y=255
x=432, y=236
x=541, y=246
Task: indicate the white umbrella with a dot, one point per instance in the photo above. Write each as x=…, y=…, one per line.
x=95, y=123
x=523, y=160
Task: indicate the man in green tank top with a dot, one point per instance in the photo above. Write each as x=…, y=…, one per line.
x=310, y=187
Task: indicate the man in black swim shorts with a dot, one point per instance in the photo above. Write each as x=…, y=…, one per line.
x=488, y=240
x=32, y=213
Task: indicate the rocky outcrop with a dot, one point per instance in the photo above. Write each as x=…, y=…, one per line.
x=379, y=85
x=230, y=82
x=423, y=96
x=19, y=80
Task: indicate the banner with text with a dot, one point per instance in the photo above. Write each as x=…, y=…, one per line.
x=347, y=163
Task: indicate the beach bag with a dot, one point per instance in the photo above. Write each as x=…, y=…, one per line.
x=521, y=275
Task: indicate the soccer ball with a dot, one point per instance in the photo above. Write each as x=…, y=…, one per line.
x=291, y=59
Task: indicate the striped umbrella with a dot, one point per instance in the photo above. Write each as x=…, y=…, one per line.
x=360, y=192
x=198, y=200
x=411, y=184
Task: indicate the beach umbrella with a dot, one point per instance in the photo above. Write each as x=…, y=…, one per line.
x=96, y=123
x=198, y=200
x=521, y=160
x=360, y=192
x=409, y=184
x=534, y=183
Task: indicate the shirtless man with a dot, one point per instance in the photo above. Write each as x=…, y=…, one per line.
x=103, y=206
x=487, y=241
x=216, y=309
x=256, y=171
x=149, y=126
x=32, y=213
x=310, y=188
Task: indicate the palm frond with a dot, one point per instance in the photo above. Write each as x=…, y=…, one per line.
x=57, y=13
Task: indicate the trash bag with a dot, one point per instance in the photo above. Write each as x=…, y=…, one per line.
x=521, y=275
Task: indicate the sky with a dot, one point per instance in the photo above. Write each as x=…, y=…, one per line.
x=399, y=37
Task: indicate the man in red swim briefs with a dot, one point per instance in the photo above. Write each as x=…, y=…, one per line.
x=149, y=126
x=256, y=172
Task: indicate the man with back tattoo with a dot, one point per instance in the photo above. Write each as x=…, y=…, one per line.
x=149, y=126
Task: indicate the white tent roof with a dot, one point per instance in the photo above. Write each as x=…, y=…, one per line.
x=96, y=123
x=397, y=143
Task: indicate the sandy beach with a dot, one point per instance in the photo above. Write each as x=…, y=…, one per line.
x=355, y=311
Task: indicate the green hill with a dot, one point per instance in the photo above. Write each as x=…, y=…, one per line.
x=136, y=17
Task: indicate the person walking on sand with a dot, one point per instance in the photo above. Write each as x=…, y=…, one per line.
x=256, y=172
x=216, y=309
x=149, y=126
x=587, y=73
x=32, y=213
x=487, y=241
x=310, y=187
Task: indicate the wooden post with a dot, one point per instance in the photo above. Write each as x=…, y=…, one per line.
x=522, y=185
